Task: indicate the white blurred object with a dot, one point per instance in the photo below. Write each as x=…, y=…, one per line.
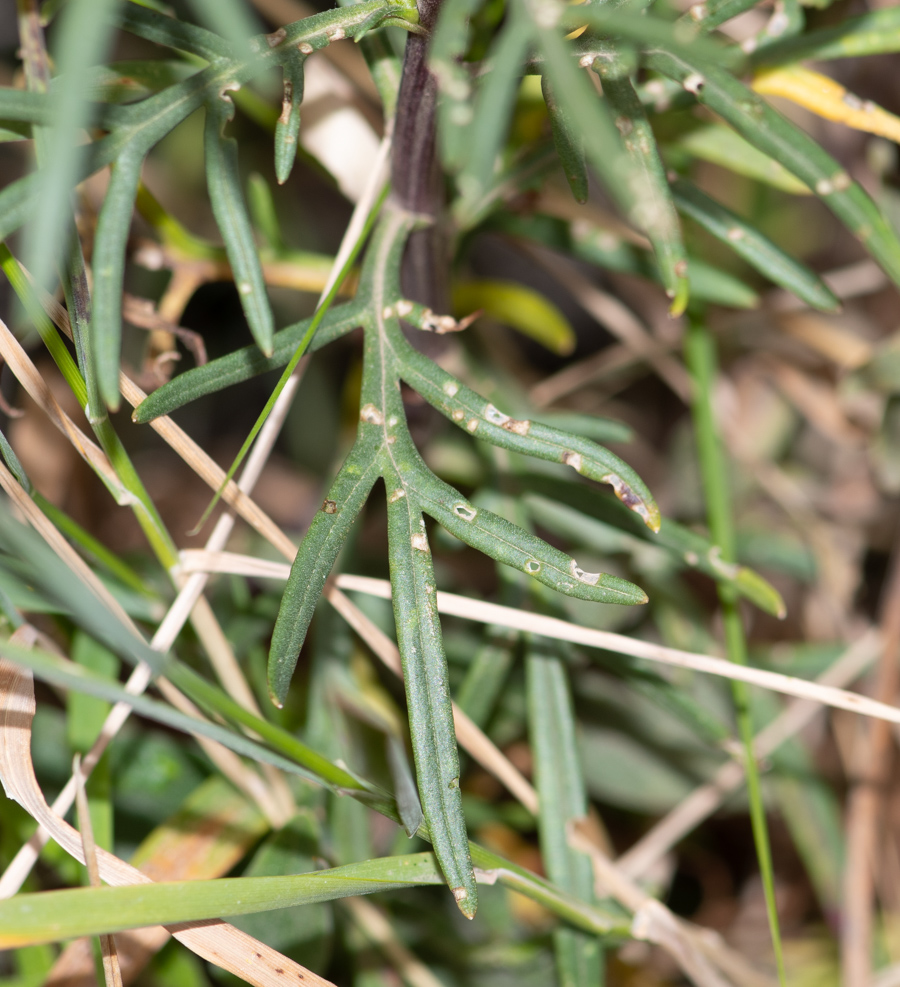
x=334, y=130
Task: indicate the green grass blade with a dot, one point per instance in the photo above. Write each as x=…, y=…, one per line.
x=478, y=417
x=287, y=130
x=701, y=360
x=563, y=800
x=173, y=33
x=52, y=915
x=494, y=101
x=41, y=321
x=313, y=563
x=757, y=250
x=246, y=363
x=568, y=143
x=233, y=19
x=81, y=40
x=224, y=183
x=772, y=134
x=113, y=227
x=64, y=674
x=874, y=33
x=659, y=218
x=427, y=693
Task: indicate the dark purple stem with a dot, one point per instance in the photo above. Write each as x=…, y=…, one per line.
x=415, y=176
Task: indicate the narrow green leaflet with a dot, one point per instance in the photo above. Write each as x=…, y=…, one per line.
x=173, y=33
x=52, y=915
x=568, y=144
x=246, y=363
x=772, y=134
x=428, y=693
x=687, y=548
x=757, y=250
x=224, y=183
x=478, y=417
x=314, y=561
x=518, y=548
x=560, y=786
x=658, y=216
x=287, y=130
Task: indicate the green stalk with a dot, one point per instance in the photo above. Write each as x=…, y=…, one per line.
x=700, y=355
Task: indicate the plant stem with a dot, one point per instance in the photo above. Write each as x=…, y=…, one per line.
x=700, y=354
x=415, y=176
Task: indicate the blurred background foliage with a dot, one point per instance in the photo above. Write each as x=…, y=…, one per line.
x=575, y=329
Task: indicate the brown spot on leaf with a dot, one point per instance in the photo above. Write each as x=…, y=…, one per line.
x=329, y=506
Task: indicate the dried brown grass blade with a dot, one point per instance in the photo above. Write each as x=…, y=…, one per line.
x=112, y=973
x=216, y=941
x=36, y=387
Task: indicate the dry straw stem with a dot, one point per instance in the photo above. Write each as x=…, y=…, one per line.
x=700, y=953
x=215, y=941
x=493, y=613
x=520, y=620
x=378, y=930
x=871, y=775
